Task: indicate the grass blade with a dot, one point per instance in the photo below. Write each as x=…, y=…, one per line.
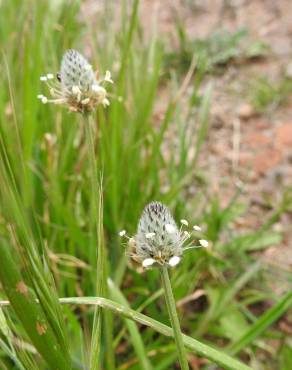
x=29, y=312
x=132, y=328
x=204, y=350
x=215, y=310
x=266, y=320
x=204, y=120
x=96, y=243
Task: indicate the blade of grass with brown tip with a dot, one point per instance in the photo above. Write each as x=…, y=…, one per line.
x=29, y=312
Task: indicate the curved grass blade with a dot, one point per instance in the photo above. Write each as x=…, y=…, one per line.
x=204, y=350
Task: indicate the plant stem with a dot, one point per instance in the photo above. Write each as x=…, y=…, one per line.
x=170, y=302
x=98, y=255
x=94, y=201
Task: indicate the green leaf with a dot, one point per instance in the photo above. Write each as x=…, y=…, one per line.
x=233, y=323
x=286, y=358
x=255, y=241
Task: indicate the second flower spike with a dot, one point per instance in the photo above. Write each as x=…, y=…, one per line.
x=159, y=241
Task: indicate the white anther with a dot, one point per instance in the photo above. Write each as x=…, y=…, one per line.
x=148, y=262
x=174, y=261
x=98, y=89
x=105, y=102
x=85, y=101
x=204, y=243
x=108, y=77
x=76, y=90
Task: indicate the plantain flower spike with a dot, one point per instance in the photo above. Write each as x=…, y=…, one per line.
x=76, y=85
x=159, y=241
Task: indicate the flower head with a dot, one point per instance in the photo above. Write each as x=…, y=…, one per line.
x=76, y=85
x=158, y=240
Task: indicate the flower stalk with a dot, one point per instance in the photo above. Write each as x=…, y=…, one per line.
x=96, y=332
x=160, y=243
x=171, y=307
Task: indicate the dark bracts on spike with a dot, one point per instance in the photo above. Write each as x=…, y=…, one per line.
x=159, y=232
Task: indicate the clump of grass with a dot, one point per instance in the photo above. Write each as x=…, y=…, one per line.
x=268, y=95
x=56, y=216
x=215, y=51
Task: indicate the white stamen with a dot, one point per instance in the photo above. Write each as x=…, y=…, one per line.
x=122, y=233
x=76, y=90
x=108, y=77
x=197, y=228
x=149, y=235
x=40, y=96
x=105, y=102
x=169, y=228
x=148, y=262
x=43, y=78
x=98, y=89
x=204, y=243
x=50, y=138
x=85, y=101
x=132, y=242
x=187, y=234
x=44, y=100
x=184, y=222
x=50, y=76
x=174, y=261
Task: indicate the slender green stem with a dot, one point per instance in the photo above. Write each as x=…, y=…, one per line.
x=98, y=254
x=94, y=231
x=170, y=302
x=94, y=201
